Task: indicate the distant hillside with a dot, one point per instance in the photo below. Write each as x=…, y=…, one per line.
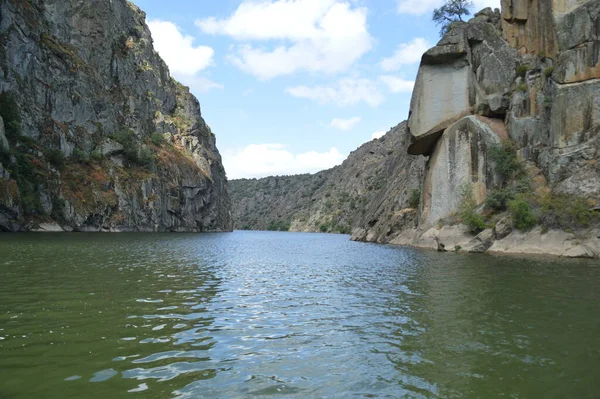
x=369, y=188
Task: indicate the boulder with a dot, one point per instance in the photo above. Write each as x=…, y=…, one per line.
x=553, y=242
x=460, y=159
x=503, y=228
x=470, y=70
x=442, y=95
x=481, y=243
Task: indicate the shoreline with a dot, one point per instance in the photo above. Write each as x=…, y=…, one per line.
x=552, y=243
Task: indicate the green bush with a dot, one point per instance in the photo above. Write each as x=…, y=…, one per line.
x=9, y=111
x=97, y=156
x=145, y=158
x=523, y=87
x=343, y=229
x=55, y=157
x=522, y=215
x=414, y=198
x=474, y=221
x=522, y=70
x=278, y=225
x=561, y=211
x=157, y=139
x=80, y=156
x=548, y=71
x=506, y=162
x=467, y=211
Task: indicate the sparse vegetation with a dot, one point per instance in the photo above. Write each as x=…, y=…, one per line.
x=9, y=111
x=55, y=157
x=565, y=212
x=133, y=153
x=522, y=70
x=79, y=156
x=506, y=162
x=522, y=87
x=414, y=199
x=279, y=225
x=468, y=211
x=450, y=13
x=157, y=139
x=548, y=71
x=522, y=215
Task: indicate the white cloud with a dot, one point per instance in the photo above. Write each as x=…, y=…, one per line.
x=481, y=4
x=348, y=91
x=303, y=35
x=199, y=84
x=260, y=160
x=345, y=124
x=377, y=135
x=178, y=50
x=185, y=60
x=406, y=54
x=396, y=84
x=418, y=7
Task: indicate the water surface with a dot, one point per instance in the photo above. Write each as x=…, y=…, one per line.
x=289, y=315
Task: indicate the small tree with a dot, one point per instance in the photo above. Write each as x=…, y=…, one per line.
x=450, y=13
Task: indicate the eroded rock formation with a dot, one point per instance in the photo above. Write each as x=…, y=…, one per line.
x=100, y=136
x=527, y=76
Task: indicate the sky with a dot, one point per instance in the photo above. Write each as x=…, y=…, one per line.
x=293, y=86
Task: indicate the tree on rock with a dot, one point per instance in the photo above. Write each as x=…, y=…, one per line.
x=450, y=13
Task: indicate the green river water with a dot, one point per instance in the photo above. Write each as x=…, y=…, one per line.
x=289, y=315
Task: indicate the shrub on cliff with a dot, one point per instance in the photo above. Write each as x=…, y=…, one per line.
x=565, y=212
x=450, y=13
x=468, y=211
x=506, y=162
x=522, y=215
x=414, y=199
x=9, y=111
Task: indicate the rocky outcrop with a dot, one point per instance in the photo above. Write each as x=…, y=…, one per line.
x=368, y=194
x=459, y=162
x=534, y=83
x=505, y=107
x=470, y=71
x=100, y=137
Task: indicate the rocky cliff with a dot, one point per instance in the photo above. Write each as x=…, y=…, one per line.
x=95, y=135
x=506, y=108
x=506, y=114
x=369, y=191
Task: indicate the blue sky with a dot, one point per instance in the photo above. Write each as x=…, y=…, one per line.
x=293, y=86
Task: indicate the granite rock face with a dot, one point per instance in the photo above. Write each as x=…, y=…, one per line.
x=531, y=79
x=112, y=142
x=458, y=163
x=470, y=71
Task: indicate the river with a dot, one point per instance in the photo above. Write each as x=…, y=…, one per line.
x=289, y=315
